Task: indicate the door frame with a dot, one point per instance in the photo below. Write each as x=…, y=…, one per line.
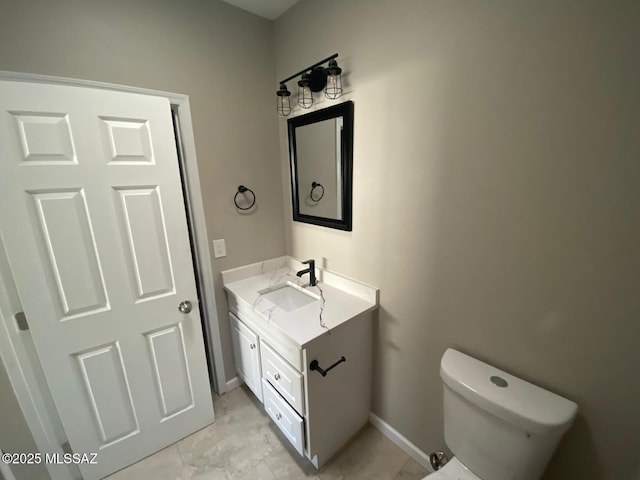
x=25, y=385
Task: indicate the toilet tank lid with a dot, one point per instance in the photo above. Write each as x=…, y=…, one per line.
x=518, y=402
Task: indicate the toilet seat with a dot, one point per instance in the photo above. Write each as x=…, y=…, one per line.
x=453, y=470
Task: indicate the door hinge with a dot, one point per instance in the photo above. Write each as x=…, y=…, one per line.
x=21, y=320
x=66, y=448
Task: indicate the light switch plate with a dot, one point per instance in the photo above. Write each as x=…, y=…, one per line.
x=219, y=248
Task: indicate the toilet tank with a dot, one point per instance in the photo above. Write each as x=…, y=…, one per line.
x=499, y=426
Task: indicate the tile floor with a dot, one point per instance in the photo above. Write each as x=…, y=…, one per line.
x=244, y=444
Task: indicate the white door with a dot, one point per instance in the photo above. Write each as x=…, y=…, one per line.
x=93, y=221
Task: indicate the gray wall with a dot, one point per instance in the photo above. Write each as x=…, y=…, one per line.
x=497, y=171
x=220, y=56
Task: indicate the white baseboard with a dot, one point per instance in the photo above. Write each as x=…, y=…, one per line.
x=235, y=382
x=401, y=441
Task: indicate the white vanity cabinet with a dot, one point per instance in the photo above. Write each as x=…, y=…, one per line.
x=246, y=354
x=275, y=348
x=276, y=383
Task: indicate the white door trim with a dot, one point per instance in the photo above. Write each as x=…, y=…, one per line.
x=5, y=470
x=26, y=389
x=25, y=384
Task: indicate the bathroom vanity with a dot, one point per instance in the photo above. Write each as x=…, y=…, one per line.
x=304, y=351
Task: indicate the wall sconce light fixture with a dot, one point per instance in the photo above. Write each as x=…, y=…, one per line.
x=305, y=97
x=283, y=106
x=312, y=79
x=333, y=89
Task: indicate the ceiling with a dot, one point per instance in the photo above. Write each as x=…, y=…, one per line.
x=269, y=9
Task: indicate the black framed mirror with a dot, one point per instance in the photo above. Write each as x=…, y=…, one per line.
x=321, y=160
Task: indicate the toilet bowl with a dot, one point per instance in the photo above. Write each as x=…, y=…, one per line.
x=498, y=426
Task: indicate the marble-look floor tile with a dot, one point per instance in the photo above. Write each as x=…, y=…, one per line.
x=162, y=465
x=411, y=470
x=233, y=410
x=196, y=448
x=251, y=444
x=206, y=459
x=259, y=472
x=190, y=472
x=286, y=468
x=371, y=456
x=243, y=443
x=287, y=464
x=233, y=401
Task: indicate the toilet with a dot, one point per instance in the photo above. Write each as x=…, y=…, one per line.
x=498, y=426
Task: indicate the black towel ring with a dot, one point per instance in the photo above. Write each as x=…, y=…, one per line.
x=313, y=187
x=242, y=189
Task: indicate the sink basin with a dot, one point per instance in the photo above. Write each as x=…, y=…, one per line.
x=288, y=296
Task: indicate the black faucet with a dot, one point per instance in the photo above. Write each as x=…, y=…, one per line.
x=311, y=271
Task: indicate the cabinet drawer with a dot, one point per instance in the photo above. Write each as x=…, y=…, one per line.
x=288, y=421
x=284, y=378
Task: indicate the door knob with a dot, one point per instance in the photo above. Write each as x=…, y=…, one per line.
x=185, y=306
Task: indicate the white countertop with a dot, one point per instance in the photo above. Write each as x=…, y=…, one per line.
x=343, y=298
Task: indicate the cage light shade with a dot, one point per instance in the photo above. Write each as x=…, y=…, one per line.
x=283, y=105
x=333, y=89
x=305, y=96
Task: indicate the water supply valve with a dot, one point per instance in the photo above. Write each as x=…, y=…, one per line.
x=438, y=460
